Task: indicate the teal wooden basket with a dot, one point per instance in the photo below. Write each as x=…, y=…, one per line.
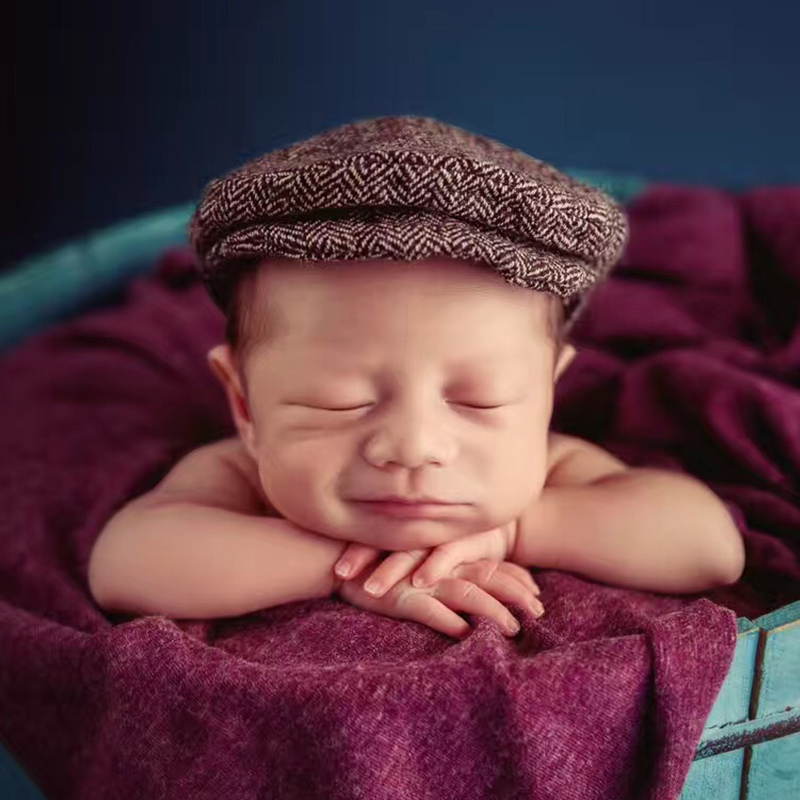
x=750, y=749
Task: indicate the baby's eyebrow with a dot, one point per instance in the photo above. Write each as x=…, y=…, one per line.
x=491, y=357
x=342, y=365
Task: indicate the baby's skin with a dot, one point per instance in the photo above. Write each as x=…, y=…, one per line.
x=478, y=564
x=432, y=379
x=436, y=379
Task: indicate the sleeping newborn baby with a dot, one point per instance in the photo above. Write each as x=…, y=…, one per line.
x=400, y=409
x=399, y=295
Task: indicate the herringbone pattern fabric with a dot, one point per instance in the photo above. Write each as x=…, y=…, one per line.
x=408, y=188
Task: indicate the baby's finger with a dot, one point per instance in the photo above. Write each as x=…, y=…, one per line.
x=393, y=569
x=503, y=580
x=355, y=558
x=507, y=588
x=524, y=575
x=466, y=550
x=427, y=610
x=461, y=595
x=436, y=566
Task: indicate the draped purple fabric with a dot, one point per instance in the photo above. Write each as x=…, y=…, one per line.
x=689, y=359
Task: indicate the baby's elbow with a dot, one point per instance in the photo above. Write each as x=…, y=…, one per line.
x=732, y=567
x=727, y=552
x=730, y=576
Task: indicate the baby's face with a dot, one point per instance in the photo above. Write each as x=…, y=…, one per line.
x=429, y=378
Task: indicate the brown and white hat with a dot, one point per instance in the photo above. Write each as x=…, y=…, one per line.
x=406, y=188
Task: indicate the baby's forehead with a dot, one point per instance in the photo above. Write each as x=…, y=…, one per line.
x=276, y=287
x=317, y=355
x=311, y=308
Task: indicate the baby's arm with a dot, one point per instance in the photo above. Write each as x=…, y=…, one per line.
x=196, y=547
x=641, y=528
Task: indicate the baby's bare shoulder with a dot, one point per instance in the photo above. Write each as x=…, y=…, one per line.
x=215, y=474
x=574, y=462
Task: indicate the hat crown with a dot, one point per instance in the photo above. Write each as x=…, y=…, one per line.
x=429, y=188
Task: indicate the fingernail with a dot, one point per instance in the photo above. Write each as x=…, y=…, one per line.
x=513, y=626
x=342, y=570
x=419, y=581
x=537, y=608
x=372, y=587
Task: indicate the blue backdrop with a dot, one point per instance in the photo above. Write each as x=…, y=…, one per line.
x=123, y=108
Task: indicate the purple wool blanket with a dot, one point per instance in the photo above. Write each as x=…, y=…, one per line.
x=689, y=360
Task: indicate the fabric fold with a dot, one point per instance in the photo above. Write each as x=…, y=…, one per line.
x=605, y=696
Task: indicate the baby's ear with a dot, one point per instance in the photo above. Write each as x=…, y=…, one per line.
x=568, y=353
x=220, y=359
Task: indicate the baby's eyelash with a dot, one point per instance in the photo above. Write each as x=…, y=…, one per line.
x=356, y=408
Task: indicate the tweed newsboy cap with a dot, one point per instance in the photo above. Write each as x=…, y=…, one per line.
x=408, y=188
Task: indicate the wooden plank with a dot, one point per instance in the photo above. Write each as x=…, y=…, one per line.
x=752, y=735
x=777, y=685
x=749, y=732
x=773, y=771
x=718, y=777
x=733, y=702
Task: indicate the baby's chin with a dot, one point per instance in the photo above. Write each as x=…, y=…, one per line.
x=408, y=537
x=385, y=532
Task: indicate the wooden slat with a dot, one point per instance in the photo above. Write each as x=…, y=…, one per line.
x=773, y=772
x=718, y=777
x=733, y=701
x=747, y=733
x=752, y=735
x=777, y=685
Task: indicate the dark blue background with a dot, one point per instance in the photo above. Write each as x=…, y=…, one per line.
x=122, y=108
x=119, y=108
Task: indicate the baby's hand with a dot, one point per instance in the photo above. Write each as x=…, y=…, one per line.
x=469, y=588
x=495, y=544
